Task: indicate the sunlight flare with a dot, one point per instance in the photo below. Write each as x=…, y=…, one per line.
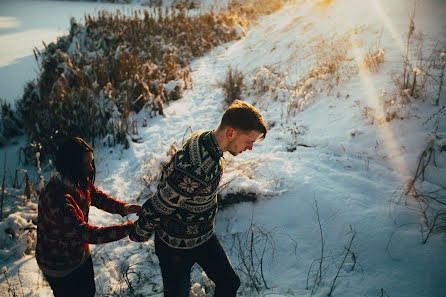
x=391, y=146
x=388, y=25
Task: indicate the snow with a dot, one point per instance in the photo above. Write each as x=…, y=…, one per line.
x=327, y=159
x=22, y=29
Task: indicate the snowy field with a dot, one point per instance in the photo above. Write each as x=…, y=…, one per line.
x=324, y=168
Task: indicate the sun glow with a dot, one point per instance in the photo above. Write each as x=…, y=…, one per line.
x=391, y=146
x=347, y=15
x=388, y=24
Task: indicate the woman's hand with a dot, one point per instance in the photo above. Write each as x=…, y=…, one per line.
x=132, y=208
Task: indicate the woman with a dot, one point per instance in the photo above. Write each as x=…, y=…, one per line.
x=63, y=231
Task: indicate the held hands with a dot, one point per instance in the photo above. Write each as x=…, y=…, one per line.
x=132, y=208
x=129, y=209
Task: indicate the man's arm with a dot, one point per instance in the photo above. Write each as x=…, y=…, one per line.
x=146, y=223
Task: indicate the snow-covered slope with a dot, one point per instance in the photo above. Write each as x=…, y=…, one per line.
x=325, y=159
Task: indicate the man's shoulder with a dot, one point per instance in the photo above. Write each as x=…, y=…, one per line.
x=195, y=159
x=196, y=137
x=191, y=152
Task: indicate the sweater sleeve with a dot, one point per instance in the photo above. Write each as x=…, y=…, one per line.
x=105, y=202
x=147, y=221
x=74, y=222
x=152, y=211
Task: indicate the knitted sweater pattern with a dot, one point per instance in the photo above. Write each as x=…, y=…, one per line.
x=182, y=211
x=63, y=232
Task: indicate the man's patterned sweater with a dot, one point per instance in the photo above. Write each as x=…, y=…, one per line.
x=182, y=211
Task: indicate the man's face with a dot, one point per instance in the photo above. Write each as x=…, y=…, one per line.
x=240, y=141
x=87, y=164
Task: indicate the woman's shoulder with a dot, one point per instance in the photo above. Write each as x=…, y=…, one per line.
x=57, y=186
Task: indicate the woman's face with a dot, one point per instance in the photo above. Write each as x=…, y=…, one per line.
x=87, y=164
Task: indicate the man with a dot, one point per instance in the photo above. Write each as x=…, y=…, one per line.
x=182, y=211
x=63, y=231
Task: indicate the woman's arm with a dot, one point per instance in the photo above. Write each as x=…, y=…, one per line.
x=105, y=202
x=75, y=224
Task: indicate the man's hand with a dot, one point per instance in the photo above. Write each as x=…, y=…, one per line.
x=132, y=208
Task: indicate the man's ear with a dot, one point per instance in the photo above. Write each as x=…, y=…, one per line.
x=229, y=133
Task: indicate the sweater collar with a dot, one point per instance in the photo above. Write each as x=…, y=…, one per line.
x=65, y=182
x=211, y=145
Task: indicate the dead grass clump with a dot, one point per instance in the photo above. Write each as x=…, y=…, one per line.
x=431, y=199
x=232, y=85
x=422, y=75
x=335, y=64
x=373, y=60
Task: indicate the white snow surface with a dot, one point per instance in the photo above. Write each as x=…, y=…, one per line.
x=326, y=158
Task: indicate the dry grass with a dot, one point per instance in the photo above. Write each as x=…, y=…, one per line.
x=93, y=80
x=432, y=204
x=373, y=59
x=232, y=85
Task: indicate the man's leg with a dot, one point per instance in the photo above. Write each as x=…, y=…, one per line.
x=213, y=259
x=175, y=266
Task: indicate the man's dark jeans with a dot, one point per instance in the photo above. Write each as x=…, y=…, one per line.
x=176, y=267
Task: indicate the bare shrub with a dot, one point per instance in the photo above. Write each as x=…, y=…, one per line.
x=133, y=279
x=432, y=203
x=422, y=79
x=334, y=62
x=374, y=56
x=232, y=85
x=373, y=59
x=422, y=75
x=321, y=268
x=253, y=248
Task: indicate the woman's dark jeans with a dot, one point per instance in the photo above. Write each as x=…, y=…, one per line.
x=176, y=266
x=79, y=283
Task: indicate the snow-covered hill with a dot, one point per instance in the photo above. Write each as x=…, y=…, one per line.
x=332, y=171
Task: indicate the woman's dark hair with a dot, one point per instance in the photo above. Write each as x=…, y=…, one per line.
x=69, y=160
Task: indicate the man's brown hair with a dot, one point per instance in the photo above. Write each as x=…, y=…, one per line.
x=243, y=116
